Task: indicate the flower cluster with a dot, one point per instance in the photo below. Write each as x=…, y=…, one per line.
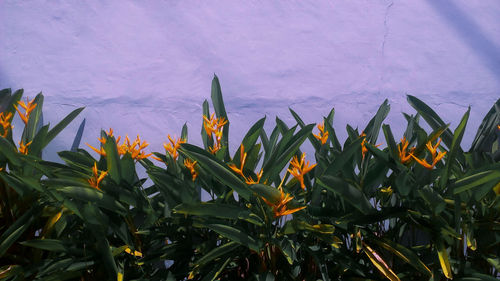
x=239, y=171
x=435, y=157
x=300, y=168
x=190, y=165
x=28, y=107
x=5, y=123
x=23, y=148
x=364, y=149
x=214, y=126
x=322, y=135
x=136, y=148
x=96, y=178
x=403, y=149
x=280, y=206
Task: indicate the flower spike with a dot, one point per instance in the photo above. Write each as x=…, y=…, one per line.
x=435, y=158
x=322, y=135
x=279, y=207
x=28, y=107
x=5, y=123
x=190, y=165
x=96, y=178
x=299, y=169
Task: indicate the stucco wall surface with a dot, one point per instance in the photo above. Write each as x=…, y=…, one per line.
x=145, y=67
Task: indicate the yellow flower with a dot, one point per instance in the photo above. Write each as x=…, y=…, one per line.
x=387, y=190
x=23, y=148
x=133, y=253
x=96, y=177
x=280, y=208
x=322, y=135
x=190, y=165
x=402, y=148
x=5, y=122
x=173, y=146
x=28, y=107
x=435, y=158
x=299, y=169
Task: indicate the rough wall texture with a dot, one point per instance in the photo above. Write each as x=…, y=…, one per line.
x=145, y=67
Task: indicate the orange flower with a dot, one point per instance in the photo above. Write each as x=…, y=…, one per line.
x=5, y=122
x=243, y=158
x=103, y=141
x=435, y=158
x=322, y=135
x=190, y=165
x=96, y=177
x=279, y=207
x=136, y=149
x=364, y=149
x=402, y=148
x=299, y=169
x=173, y=146
x=28, y=107
x=23, y=148
x=250, y=180
x=215, y=126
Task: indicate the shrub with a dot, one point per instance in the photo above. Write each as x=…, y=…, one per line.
x=420, y=208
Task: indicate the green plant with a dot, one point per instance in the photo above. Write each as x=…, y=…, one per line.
x=420, y=208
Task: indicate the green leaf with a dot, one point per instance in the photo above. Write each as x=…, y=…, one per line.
x=452, y=153
x=433, y=199
x=223, y=211
x=34, y=119
x=391, y=143
x=10, y=152
x=52, y=245
x=217, y=169
x=112, y=158
x=404, y=253
x=220, y=111
x=11, y=234
x=235, y=235
x=380, y=264
x=485, y=135
x=373, y=128
x=93, y=195
x=444, y=259
x=434, y=121
x=216, y=253
x=106, y=255
x=348, y=192
x=78, y=136
x=475, y=180
x=315, y=142
x=250, y=138
x=61, y=125
x=278, y=159
x=184, y=132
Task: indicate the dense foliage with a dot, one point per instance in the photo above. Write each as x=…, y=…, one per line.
x=421, y=208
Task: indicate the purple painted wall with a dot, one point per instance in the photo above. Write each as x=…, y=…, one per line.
x=145, y=67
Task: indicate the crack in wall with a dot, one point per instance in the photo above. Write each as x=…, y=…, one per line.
x=386, y=28
x=384, y=40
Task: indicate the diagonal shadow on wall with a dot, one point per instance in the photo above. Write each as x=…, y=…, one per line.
x=470, y=33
